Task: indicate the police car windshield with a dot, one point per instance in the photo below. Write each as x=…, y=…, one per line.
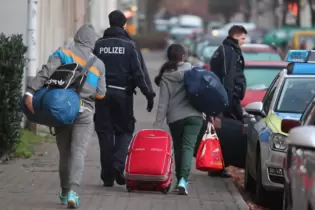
x=296, y=94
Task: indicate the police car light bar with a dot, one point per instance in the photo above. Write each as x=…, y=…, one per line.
x=301, y=56
x=297, y=56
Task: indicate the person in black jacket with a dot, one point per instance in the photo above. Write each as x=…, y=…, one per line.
x=228, y=64
x=114, y=117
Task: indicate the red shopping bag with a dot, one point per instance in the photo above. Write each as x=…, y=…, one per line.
x=209, y=155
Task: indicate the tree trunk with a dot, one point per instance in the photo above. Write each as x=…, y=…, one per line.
x=248, y=9
x=275, y=6
x=152, y=7
x=285, y=12
x=298, y=17
x=310, y=2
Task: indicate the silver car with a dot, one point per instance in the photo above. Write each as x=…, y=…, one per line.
x=299, y=165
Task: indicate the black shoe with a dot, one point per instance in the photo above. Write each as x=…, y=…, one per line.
x=222, y=174
x=120, y=177
x=108, y=184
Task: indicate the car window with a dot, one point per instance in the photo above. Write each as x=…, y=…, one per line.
x=200, y=47
x=208, y=51
x=308, y=117
x=271, y=91
x=307, y=40
x=260, y=77
x=296, y=94
x=261, y=56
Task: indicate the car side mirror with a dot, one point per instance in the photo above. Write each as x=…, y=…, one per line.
x=255, y=108
x=288, y=124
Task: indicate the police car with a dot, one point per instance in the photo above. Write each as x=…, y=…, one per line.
x=287, y=97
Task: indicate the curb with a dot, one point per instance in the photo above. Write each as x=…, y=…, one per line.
x=241, y=204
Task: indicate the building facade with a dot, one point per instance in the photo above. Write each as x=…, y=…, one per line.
x=57, y=21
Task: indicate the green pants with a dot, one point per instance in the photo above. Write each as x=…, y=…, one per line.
x=184, y=133
x=200, y=135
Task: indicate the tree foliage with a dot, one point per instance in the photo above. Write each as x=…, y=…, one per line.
x=227, y=8
x=12, y=63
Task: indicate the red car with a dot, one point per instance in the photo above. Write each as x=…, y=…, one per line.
x=259, y=75
x=261, y=52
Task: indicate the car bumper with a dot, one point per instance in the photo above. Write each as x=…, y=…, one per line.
x=272, y=168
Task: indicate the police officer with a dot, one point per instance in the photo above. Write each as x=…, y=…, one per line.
x=114, y=118
x=228, y=64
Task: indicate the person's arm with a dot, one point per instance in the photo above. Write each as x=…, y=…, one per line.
x=43, y=75
x=163, y=105
x=230, y=69
x=39, y=80
x=140, y=73
x=217, y=63
x=101, y=87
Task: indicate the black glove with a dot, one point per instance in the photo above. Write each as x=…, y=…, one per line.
x=150, y=99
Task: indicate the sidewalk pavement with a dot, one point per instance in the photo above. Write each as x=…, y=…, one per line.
x=33, y=184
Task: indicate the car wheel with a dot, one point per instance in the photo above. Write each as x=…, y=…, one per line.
x=261, y=194
x=249, y=181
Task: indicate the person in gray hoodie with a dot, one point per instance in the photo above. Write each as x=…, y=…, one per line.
x=72, y=140
x=184, y=121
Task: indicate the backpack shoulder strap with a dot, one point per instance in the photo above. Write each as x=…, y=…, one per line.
x=85, y=70
x=89, y=64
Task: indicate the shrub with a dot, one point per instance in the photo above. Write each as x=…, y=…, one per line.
x=12, y=63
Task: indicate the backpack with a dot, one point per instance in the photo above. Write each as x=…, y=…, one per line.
x=205, y=91
x=58, y=102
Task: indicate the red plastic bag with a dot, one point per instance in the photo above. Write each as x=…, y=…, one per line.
x=209, y=155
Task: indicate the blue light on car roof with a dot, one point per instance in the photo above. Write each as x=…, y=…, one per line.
x=299, y=56
x=303, y=68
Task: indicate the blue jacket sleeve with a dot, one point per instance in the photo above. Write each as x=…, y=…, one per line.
x=140, y=74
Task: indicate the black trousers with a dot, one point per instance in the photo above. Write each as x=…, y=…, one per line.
x=114, y=125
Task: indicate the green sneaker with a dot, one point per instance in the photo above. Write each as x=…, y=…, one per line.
x=183, y=187
x=73, y=200
x=63, y=199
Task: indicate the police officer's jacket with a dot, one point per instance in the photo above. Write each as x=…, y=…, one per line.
x=228, y=64
x=125, y=68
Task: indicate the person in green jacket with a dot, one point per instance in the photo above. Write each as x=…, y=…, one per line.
x=183, y=120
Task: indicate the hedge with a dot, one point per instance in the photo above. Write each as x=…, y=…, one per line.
x=12, y=63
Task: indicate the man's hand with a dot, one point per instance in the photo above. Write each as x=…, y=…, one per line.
x=217, y=123
x=29, y=103
x=150, y=99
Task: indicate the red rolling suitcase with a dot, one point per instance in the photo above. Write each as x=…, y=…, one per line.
x=149, y=161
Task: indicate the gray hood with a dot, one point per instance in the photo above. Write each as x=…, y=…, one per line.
x=177, y=75
x=86, y=36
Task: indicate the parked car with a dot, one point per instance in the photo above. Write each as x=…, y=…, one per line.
x=299, y=164
x=259, y=75
x=287, y=97
x=196, y=57
x=260, y=52
x=223, y=31
x=256, y=36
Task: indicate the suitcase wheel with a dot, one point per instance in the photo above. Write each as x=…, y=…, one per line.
x=166, y=190
x=128, y=188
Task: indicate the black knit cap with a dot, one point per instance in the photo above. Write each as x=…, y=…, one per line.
x=117, y=18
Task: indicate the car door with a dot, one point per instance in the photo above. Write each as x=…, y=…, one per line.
x=257, y=126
